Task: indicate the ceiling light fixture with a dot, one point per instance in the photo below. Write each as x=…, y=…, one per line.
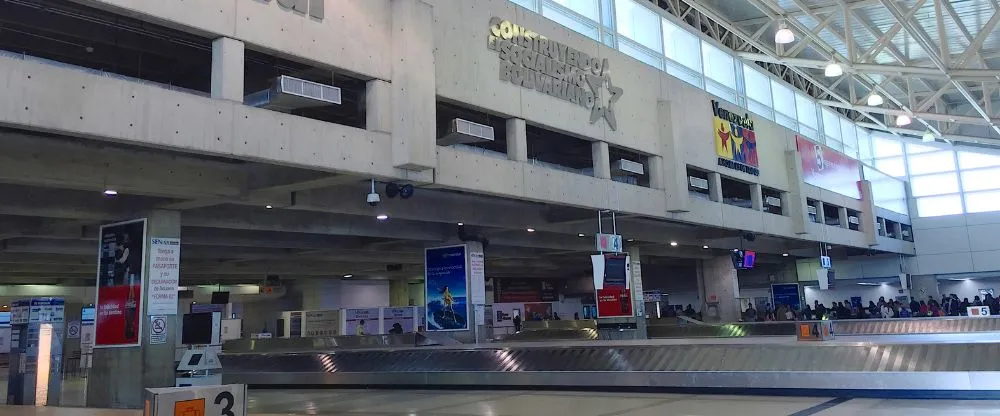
x=530, y=230
x=784, y=35
x=581, y=235
x=268, y=206
x=461, y=224
x=704, y=247
x=630, y=240
x=833, y=70
x=348, y=276
x=928, y=136
x=903, y=120
x=784, y=254
x=381, y=217
x=673, y=244
x=875, y=100
x=110, y=192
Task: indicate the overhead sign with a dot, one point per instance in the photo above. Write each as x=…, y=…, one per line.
x=828, y=169
x=609, y=243
x=119, y=284
x=164, y=276
x=825, y=262
x=532, y=61
x=735, y=140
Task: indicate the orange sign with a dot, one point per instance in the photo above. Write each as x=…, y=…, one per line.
x=194, y=407
x=804, y=330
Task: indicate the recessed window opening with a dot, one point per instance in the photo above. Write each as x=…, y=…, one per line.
x=447, y=112
x=854, y=220
x=698, y=185
x=559, y=151
x=772, y=201
x=832, y=214
x=736, y=193
x=628, y=166
x=812, y=207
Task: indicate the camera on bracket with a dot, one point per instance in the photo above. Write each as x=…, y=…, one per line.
x=373, y=197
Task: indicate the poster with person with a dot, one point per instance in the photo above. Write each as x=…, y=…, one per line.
x=120, y=275
x=446, y=288
x=362, y=321
x=398, y=320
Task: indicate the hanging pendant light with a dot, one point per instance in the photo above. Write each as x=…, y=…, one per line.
x=875, y=100
x=903, y=120
x=833, y=70
x=784, y=35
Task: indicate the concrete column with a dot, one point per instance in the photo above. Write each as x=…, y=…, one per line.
x=881, y=225
x=638, y=307
x=399, y=292
x=227, y=69
x=820, y=212
x=756, y=197
x=321, y=294
x=897, y=229
x=793, y=202
x=378, y=106
x=721, y=285
x=120, y=375
x=866, y=220
x=923, y=286
x=602, y=160
x=842, y=214
x=657, y=174
x=414, y=99
x=715, y=186
x=517, y=140
x=786, y=203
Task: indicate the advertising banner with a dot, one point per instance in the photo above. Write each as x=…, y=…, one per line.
x=735, y=140
x=614, y=302
x=786, y=294
x=612, y=285
x=398, y=320
x=504, y=314
x=828, y=169
x=537, y=311
x=361, y=321
x=119, y=284
x=526, y=290
x=446, y=288
x=164, y=276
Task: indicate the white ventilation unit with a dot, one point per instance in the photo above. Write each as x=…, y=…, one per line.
x=290, y=93
x=627, y=167
x=772, y=201
x=698, y=183
x=811, y=209
x=464, y=132
x=906, y=233
x=853, y=220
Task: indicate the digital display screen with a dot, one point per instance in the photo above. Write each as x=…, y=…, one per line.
x=197, y=329
x=749, y=259
x=88, y=314
x=614, y=271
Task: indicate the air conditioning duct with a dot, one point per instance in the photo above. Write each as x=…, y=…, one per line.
x=772, y=201
x=853, y=220
x=627, y=167
x=698, y=183
x=464, y=131
x=290, y=93
x=811, y=209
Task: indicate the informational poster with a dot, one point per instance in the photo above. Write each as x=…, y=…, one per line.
x=828, y=169
x=322, y=323
x=446, y=288
x=477, y=277
x=158, y=330
x=361, y=321
x=786, y=294
x=526, y=290
x=537, y=311
x=504, y=313
x=398, y=320
x=119, y=284
x=164, y=276
x=614, y=302
x=612, y=285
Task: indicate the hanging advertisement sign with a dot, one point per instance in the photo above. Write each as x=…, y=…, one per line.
x=612, y=285
x=786, y=294
x=446, y=288
x=121, y=260
x=828, y=169
x=164, y=276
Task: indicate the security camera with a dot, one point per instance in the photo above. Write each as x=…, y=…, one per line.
x=373, y=197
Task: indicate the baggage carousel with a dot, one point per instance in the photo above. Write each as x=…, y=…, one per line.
x=876, y=366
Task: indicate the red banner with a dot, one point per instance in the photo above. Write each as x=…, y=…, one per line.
x=828, y=169
x=614, y=302
x=119, y=284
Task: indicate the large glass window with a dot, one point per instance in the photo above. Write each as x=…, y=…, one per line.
x=939, y=205
x=971, y=160
x=578, y=15
x=982, y=201
x=981, y=180
x=806, y=114
x=586, y=8
x=893, y=166
x=884, y=147
x=720, y=72
x=864, y=145
x=784, y=104
x=925, y=163
x=684, y=51
x=849, y=134
x=758, y=89
x=638, y=23
x=831, y=126
x=936, y=184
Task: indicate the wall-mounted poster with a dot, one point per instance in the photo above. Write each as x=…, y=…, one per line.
x=361, y=321
x=828, y=169
x=446, y=288
x=398, y=320
x=121, y=261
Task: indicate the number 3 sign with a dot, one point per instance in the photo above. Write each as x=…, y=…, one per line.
x=229, y=400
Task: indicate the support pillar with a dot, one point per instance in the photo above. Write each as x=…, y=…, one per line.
x=227, y=69
x=378, y=106
x=120, y=375
x=657, y=173
x=715, y=186
x=820, y=212
x=414, y=99
x=517, y=140
x=756, y=197
x=602, y=160
x=639, y=305
x=842, y=215
x=720, y=285
x=399, y=292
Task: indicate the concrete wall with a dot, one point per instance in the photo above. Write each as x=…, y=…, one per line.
x=957, y=244
x=413, y=45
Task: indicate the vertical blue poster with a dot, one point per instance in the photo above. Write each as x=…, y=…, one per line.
x=446, y=289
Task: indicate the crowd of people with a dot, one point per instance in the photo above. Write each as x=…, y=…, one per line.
x=949, y=305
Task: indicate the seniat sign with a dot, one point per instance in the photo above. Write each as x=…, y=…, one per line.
x=735, y=140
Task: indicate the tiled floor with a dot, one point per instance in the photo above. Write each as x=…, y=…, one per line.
x=503, y=403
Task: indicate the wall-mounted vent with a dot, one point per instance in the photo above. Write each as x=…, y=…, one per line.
x=290, y=93
x=698, y=183
x=627, y=167
x=811, y=209
x=772, y=201
x=464, y=132
x=853, y=220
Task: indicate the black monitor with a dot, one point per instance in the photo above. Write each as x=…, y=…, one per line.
x=220, y=298
x=197, y=329
x=615, y=267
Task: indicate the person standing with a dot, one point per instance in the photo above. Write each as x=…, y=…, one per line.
x=517, y=323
